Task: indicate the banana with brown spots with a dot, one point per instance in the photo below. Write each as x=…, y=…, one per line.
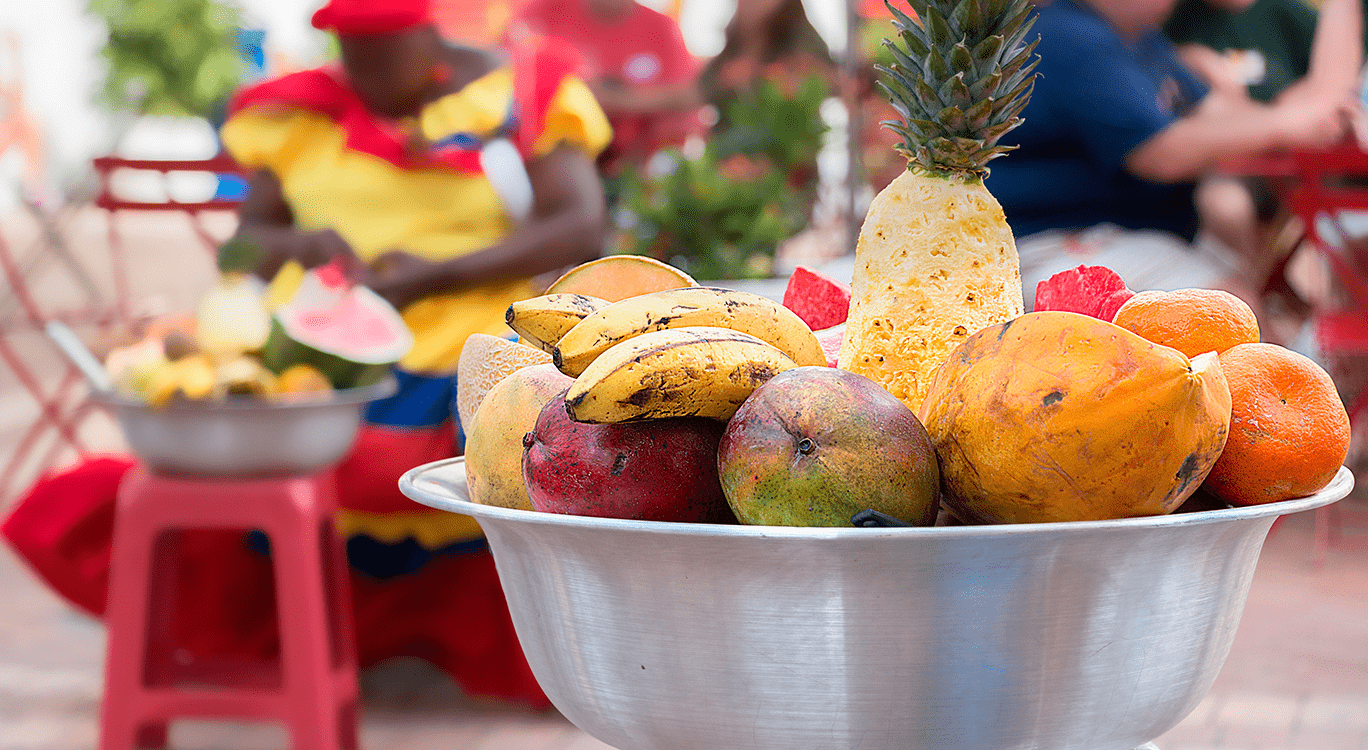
x=749, y=313
x=542, y=321
x=694, y=371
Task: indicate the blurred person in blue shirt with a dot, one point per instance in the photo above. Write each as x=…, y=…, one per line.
x=1116, y=136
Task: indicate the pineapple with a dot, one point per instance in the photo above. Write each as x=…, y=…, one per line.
x=935, y=261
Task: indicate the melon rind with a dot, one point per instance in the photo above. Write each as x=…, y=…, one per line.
x=353, y=366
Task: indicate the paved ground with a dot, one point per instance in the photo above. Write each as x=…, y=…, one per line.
x=1296, y=679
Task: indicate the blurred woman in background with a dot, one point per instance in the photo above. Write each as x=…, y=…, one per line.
x=447, y=177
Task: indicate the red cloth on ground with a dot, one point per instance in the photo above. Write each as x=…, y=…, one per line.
x=451, y=612
x=63, y=527
x=644, y=48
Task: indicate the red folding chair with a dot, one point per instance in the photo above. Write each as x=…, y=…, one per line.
x=1328, y=184
x=1320, y=186
x=63, y=408
x=114, y=203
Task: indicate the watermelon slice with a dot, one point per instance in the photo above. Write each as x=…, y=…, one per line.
x=1096, y=291
x=349, y=333
x=821, y=301
x=831, y=340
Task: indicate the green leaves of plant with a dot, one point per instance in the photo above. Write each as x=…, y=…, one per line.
x=181, y=54
x=960, y=78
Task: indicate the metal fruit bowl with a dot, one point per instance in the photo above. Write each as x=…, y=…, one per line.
x=244, y=435
x=1098, y=635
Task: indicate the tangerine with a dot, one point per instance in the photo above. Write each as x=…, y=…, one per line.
x=1193, y=321
x=1289, y=431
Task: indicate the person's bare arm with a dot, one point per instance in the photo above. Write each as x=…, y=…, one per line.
x=1223, y=127
x=566, y=227
x=616, y=98
x=1211, y=67
x=265, y=220
x=1337, y=51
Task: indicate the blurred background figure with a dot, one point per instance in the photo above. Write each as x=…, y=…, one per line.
x=637, y=64
x=726, y=207
x=763, y=36
x=1116, y=137
x=769, y=41
x=454, y=174
x=447, y=177
x=1268, y=51
x=1264, y=47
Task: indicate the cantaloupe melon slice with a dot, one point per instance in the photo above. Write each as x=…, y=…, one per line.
x=485, y=360
x=617, y=277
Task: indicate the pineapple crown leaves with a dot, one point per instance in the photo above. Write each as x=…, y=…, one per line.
x=960, y=80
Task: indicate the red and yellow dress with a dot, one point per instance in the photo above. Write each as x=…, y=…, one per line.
x=423, y=583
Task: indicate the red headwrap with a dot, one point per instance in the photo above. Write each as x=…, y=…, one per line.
x=363, y=17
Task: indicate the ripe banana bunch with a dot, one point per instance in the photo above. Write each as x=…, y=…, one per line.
x=748, y=313
x=694, y=371
x=542, y=321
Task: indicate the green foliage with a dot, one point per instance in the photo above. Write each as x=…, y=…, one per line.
x=962, y=73
x=714, y=219
x=181, y=56
x=779, y=116
x=724, y=214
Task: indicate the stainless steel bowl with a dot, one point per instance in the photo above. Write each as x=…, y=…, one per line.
x=1097, y=635
x=244, y=436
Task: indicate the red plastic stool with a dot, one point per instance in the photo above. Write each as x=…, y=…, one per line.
x=312, y=689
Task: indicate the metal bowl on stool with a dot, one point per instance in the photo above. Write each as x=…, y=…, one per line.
x=1098, y=635
x=243, y=435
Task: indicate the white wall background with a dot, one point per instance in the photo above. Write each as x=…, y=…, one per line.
x=61, y=72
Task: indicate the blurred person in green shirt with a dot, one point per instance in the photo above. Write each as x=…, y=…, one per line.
x=1270, y=51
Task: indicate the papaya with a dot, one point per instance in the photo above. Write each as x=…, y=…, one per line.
x=1058, y=416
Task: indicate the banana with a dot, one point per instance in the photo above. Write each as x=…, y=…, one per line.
x=690, y=306
x=695, y=371
x=541, y=321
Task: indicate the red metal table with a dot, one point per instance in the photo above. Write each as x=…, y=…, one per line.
x=1319, y=187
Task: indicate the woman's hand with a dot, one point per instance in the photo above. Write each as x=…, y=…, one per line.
x=313, y=249
x=265, y=220
x=403, y=278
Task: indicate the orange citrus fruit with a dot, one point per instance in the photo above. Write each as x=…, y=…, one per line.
x=1289, y=432
x=1193, y=321
x=485, y=360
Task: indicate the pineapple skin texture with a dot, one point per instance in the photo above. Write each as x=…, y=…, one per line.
x=934, y=264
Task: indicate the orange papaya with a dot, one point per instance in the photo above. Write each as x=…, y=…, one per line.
x=1056, y=416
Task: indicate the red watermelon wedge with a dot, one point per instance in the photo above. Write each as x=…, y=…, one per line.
x=821, y=301
x=1096, y=291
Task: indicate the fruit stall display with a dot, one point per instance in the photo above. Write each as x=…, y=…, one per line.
x=305, y=336
x=677, y=483
x=1099, y=404
x=703, y=404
